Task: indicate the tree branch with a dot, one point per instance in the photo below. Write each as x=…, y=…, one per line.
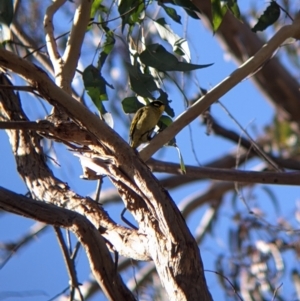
x=234, y=175
x=44, y=186
x=249, y=67
x=100, y=260
x=70, y=265
x=164, y=228
x=49, y=35
x=241, y=43
x=20, y=34
x=77, y=34
x=13, y=247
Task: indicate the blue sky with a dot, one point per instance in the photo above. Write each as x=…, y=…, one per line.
x=39, y=267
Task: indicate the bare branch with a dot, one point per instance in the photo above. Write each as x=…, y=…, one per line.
x=44, y=186
x=12, y=248
x=49, y=34
x=73, y=49
x=263, y=177
x=65, y=66
x=20, y=34
x=160, y=220
x=70, y=264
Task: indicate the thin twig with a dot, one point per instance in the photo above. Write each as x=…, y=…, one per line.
x=91, y=23
x=259, y=151
x=276, y=290
x=98, y=189
x=74, y=284
x=36, y=229
x=231, y=284
x=59, y=294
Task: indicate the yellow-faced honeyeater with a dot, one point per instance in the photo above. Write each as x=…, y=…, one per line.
x=144, y=122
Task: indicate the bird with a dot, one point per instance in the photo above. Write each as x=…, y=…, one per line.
x=144, y=122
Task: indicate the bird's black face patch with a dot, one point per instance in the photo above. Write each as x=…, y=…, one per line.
x=157, y=104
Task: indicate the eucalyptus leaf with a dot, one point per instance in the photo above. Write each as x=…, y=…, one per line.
x=218, y=12
x=269, y=16
x=97, y=7
x=188, y=6
x=166, y=120
x=182, y=165
x=164, y=99
x=95, y=85
x=131, y=12
x=180, y=45
x=158, y=57
x=6, y=11
x=171, y=12
x=107, y=47
x=234, y=8
x=131, y=105
x=142, y=84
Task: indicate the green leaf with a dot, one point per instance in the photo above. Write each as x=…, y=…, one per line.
x=185, y=67
x=158, y=57
x=179, y=49
x=96, y=6
x=131, y=12
x=166, y=120
x=269, y=16
x=188, y=6
x=182, y=165
x=163, y=97
x=171, y=12
x=162, y=124
x=6, y=12
x=107, y=47
x=131, y=104
x=142, y=84
x=180, y=45
x=234, y=8
x=99, y=10
x=218, y=12
x=95, y=85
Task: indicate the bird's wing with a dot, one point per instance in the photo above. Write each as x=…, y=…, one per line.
x=134, y=122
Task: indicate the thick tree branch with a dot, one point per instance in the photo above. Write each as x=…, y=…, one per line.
x=44, y=186
x=101, y=264
x=161, y=223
